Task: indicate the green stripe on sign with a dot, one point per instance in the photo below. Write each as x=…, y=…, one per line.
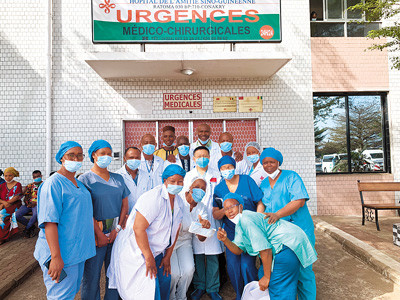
x=198, y=31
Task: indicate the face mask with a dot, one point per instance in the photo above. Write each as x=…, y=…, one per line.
x=204, y=142
x=253, y=158
x=202, y=162
x=183, y=150
x=72, y=165
x=174, y=189
x=226, y=146
x=104, y=161
x=149, y=149
x=198, y=195
x=228, y=174
x=165, y=145
x=133, y=164
x=314, y=19
x=236, y=218
x=273, y=175
x=8, y=181
x=37, y=180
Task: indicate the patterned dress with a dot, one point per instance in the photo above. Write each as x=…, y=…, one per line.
x=8, y=224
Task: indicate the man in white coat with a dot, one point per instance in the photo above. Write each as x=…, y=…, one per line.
x=203, y=132
x=206, y=276
x=151, y=166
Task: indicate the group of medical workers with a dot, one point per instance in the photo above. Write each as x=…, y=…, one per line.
x=138, y=222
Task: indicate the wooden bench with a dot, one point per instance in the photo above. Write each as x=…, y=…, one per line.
x=369, y=209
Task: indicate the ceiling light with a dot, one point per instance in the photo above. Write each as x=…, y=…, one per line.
x=187, y=72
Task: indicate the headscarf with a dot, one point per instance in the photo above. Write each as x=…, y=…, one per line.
x=96, y=145
x=172, y=170
x=64, y=148
x=273, y=153
x=234, y=196
x=11, y=170
x=251, y=144
x=226, y=160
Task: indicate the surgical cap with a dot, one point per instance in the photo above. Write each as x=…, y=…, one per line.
x=251, y=144
x=197, y=178
x=172, y=170
x=234, y=196
x=273, y=153
x=64, y=148
x=226, y=160
x=96, y=145
x=11, y=170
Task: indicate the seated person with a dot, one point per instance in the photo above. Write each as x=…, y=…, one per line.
x=168, y=147
x=283, y=247
x=30, y=205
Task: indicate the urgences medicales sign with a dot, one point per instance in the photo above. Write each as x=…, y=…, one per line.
x=179, y=21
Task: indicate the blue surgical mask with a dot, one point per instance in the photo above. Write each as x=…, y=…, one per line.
x=226, y=146
x=183, y=150
x=104, y=161
x=37, y=180
x=202, y=162
x=228, y=174
x=149, y=149
x=72, y=165
x=253, y=158
x=198, y=194
x=204, y=142
x=174, y=189
x=165, y=145
x=133, y=164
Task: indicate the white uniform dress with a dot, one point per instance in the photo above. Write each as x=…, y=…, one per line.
x=136, y=190
x=182, y=263
x=127, y=270
x=212, y=245
x=259, y=174
x=151, y=175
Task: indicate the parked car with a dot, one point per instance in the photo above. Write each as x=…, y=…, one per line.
x=318, y=167
x=329, y=161
x=373, y=160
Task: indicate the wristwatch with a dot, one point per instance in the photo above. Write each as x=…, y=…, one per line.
x=118, y=228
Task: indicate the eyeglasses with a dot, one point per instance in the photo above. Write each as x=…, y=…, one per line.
x=72, y=156
x=231, y=207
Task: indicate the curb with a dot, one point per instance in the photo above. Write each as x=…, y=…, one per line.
x=7, y=286
x=379, y=261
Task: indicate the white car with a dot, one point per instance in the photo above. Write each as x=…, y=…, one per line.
x=373, y=159
x=329, y=161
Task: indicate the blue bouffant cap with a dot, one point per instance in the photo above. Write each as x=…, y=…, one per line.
x=96, y=145
x=172, y=170
x=234, y=196
x=273, y=153
x=226, y=160
x=64, y=148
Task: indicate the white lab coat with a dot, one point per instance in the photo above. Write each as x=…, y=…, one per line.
x=178, y=162
x=127, y=270
x=150, y=178
x=259, y=174
x=136, y=190
x=242, y=167
x=212, y=245
x=214, y=150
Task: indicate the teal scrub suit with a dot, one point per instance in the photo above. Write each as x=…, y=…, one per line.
x=290, y=187
x=290, y=248
x=61, y=202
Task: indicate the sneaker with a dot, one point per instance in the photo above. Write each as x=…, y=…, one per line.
x=196, y=295
x=214, y=296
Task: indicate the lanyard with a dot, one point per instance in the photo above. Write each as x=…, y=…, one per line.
x=151, y=165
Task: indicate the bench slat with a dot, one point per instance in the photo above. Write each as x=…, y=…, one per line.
x=378, y=186
x=381, y=206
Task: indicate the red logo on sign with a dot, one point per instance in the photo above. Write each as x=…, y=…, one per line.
x=107, y=5
x=266, y=32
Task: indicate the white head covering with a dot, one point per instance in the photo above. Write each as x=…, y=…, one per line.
x=251, y=144
x=252, y=292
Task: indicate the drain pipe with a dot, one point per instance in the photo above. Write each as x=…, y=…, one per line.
x=49, y=85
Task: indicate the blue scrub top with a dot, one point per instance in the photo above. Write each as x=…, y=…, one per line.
x=107, y=196
x=61, y=202
x=289, y=187
x=248, y=189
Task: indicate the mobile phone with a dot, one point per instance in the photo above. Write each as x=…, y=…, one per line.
x=63, y=273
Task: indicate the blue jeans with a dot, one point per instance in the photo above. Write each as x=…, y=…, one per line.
x=163, y=282
x=91, y=275
x=24, y=210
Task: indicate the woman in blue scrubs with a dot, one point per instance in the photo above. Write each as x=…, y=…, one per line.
x=241, y=268
x=282, y=246
x=110, y=208
x=65, y=218
x=285, y=197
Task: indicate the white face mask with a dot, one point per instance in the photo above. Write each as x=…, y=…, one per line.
x=9, y=181
x=273, y=175
x=236, y=218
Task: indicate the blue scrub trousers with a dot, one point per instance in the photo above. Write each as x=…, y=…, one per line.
x=241, y=270
x=206, y=274
x=163, y=282
x=285, y=275
x=307, y=288
x=69, y=287
x=92, y=273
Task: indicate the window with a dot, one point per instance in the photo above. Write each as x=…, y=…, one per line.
x=333, y=19
x=351, y=133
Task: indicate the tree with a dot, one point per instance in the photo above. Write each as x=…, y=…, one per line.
x=379, y=10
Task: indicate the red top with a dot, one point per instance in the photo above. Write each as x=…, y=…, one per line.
x=6, y=194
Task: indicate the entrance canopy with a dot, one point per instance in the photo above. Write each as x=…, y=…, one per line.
x=169, y=65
